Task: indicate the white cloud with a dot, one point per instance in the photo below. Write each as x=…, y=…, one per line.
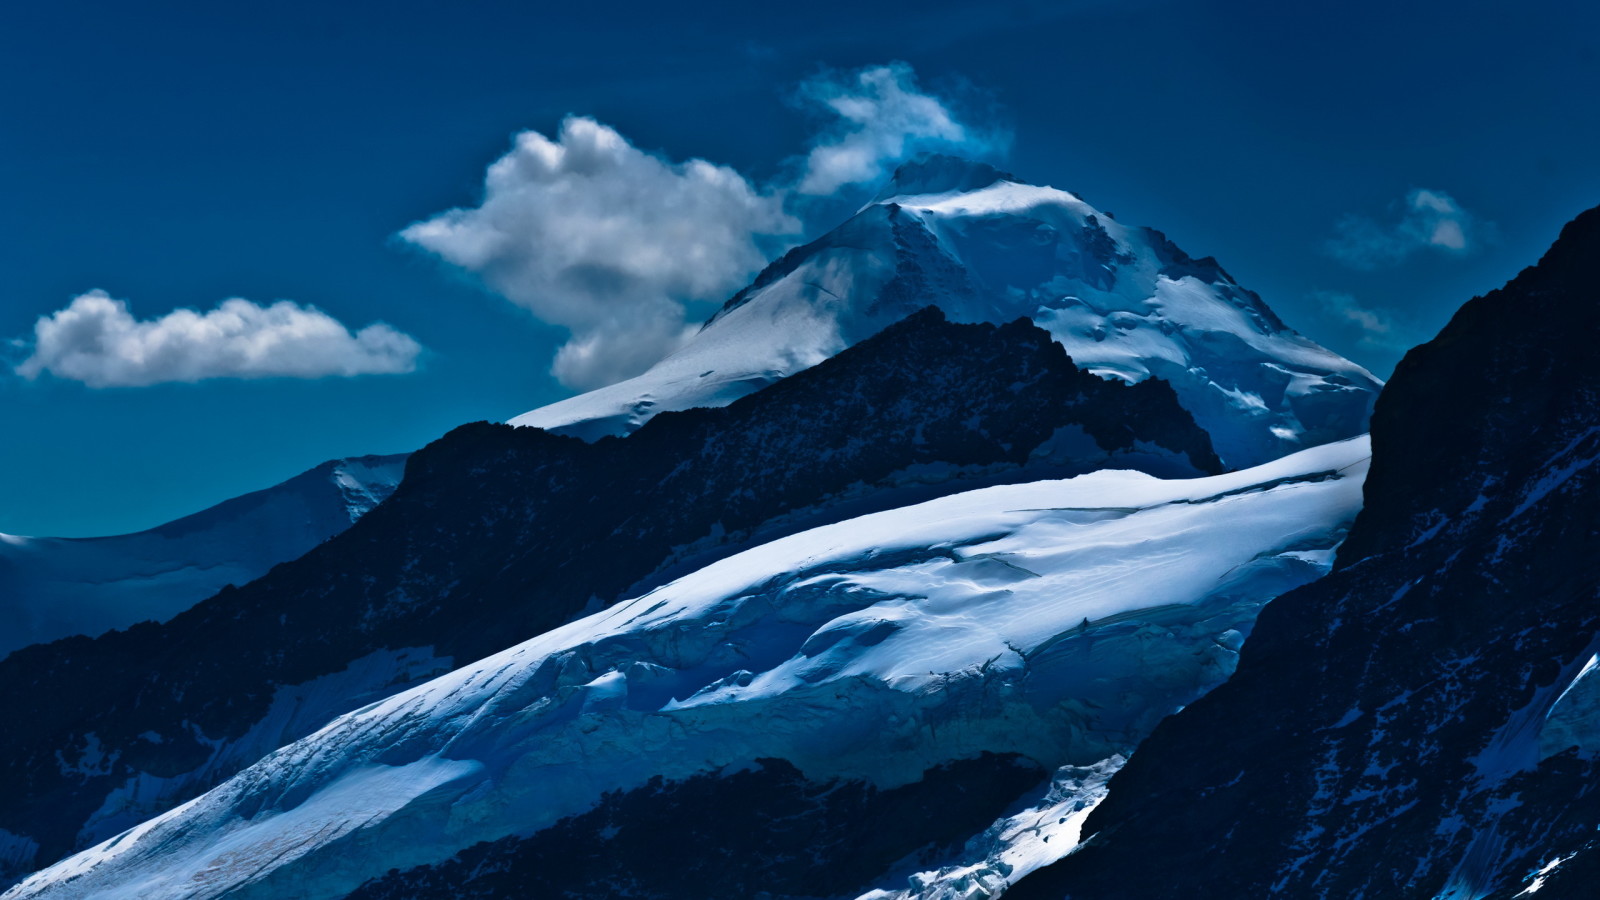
x=1427, y=220
x=1378, y=329
x=882, y=119
x=616, y=245
x=597, y=236
x=97, y=341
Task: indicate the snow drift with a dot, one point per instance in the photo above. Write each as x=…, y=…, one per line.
x=1058, y=620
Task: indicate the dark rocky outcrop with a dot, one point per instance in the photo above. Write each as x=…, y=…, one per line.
x=1403, y=728
x=765, y=831
x=497, y=534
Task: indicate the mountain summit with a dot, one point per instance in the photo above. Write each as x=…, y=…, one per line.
x=937, y=173
x=985, y=247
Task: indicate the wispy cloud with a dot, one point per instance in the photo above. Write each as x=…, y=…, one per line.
x=1425, y=220
x=1378, y=329
x=591, y=233
x=881, y=117
x=97, y=341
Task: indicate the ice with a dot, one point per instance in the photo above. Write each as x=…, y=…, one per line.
x=1058, y=620
x=1544, y=872
x=1574, y=719
x=1018, y=844
x=295, y=709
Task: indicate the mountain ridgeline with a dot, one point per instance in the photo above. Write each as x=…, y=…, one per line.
x=1050, y=623
x=982, y=546
x=984, y=246
x=51, y=588
x=497, y=534
x=1425, y=721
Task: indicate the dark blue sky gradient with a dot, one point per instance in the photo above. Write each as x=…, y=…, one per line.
x=179, y=154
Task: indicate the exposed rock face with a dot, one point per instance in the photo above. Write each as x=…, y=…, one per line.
x=500, y=533
x=1018, y=619
x=1422, y=722
x=762, y=832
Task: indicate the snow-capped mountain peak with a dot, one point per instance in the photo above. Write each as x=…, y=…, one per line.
x=985, y=247
x=938, y=173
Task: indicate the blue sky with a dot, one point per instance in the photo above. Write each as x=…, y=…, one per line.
x=1365, y=168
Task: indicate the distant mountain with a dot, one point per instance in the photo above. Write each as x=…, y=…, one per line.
x=498, y=534
x=52, y=588
x=795, y=720
x=985, y=247
x=1425, y=721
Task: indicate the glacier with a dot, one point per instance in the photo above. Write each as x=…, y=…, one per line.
x=1125, y=302
x=1058, y=620
x=499, y=533
x=51, y=588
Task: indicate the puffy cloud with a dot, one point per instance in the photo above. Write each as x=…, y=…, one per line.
x=97, y=341
x=882, y=118
x=621, y=348
x=1427, y=220
x=595, y=235
x=1378, y=329
x=615, y=244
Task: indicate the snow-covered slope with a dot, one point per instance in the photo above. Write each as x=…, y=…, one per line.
x=1125, y=302
x=55, y=587
x=498, y=534
x=1059, y=620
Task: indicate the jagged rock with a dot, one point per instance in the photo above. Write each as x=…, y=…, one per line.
x=1410, y=726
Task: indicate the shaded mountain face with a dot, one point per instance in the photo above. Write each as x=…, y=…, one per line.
x=1424, y=722
x=764, y=831
x=984, y=247
x=52, y=588
x=1056, y=621
x=500, y=533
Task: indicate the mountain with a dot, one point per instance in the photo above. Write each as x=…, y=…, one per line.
x=793, y=720
x=939, y=612
x=497, y=534
x=984, y=247
x=1425, y=721
x=52, y=588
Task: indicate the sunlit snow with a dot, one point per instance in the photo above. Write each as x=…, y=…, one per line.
x=1059, y=620
x=1122, y=301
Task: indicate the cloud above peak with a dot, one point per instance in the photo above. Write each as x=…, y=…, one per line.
x=618, y=245
x=881, y=117
x=97, y=341
x=1425, y=220
x=1376, y=328
x=593, y=234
